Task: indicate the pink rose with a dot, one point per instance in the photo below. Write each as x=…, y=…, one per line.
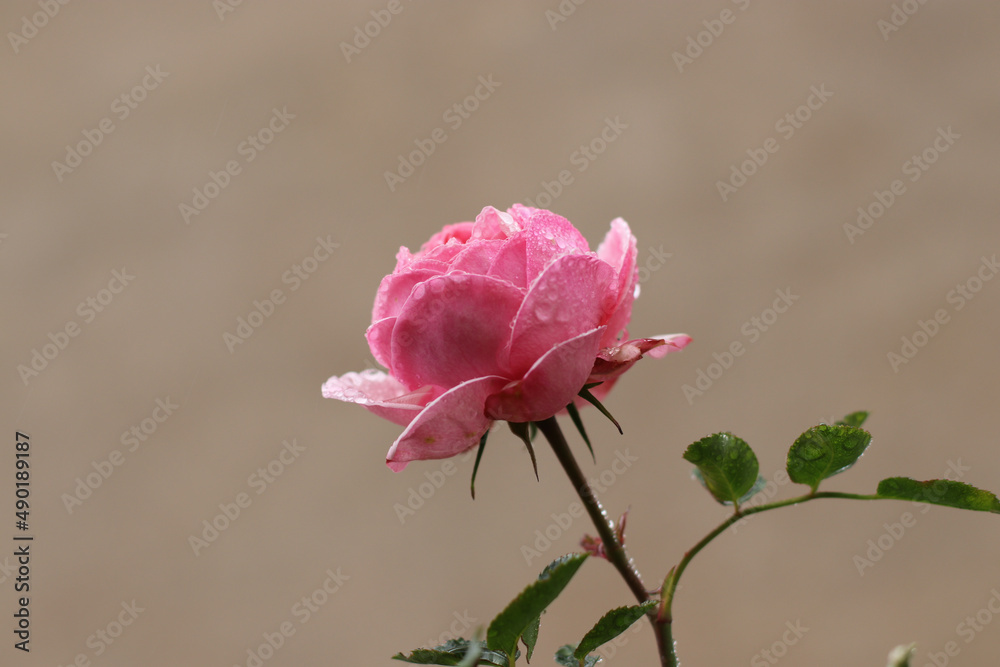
x=506, y=318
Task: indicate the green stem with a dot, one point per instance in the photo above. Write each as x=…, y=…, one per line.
x=605, y=527
x=671, y=584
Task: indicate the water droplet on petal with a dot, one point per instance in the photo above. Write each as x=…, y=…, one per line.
x=543, y=311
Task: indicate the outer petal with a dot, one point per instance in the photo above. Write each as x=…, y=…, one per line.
x=379, y=337
x=381, y=394
x=568, y=299
x=453, y=328
x=447, y=426
x=613, y=361
x=395, y=289
x=549, y=236
x=551, y=384
x=619, y=250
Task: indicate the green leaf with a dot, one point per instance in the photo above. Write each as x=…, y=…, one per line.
x=727, y=465
x=825, y=450
x=590, y=398
x=855, y=419
x=453, y=653
x=521, y=430
x=901, y=655
x=479, y=455
x=574, y=414
x=530, y=638
x=565, y=657
x=611, y=625
x=940, y=492
x=510, y=624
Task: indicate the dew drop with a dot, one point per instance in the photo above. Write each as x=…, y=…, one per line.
x=810, y=452
x=543, y=311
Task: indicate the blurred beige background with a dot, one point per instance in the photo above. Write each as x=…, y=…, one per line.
x=308, y=128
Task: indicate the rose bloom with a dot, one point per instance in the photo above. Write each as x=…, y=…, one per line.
x=505, y=318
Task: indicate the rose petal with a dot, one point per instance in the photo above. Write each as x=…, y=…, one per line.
x=673, y=343
x=379, y=337
x=613, y=361
x=381, y=394
x=549, y=236
x=511, y=262
x=460, y=232
x=477, y=257
x=551, y=384
x=447, y=426
x=395, y=289
x=619, y=250
x=567, y=299
x=453, y=328
x=494, y=224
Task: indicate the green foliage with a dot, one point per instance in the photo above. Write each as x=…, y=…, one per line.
x=522, y=430
x=939, y=492
x=823, y=451
x=455, y=652
x=530, y=638
x=611, y=625
x=590, y=398
x=727, y=466
x=574, y=414
x=510, y=624
x=479, y=455
x=855, y=419
x=565, y=656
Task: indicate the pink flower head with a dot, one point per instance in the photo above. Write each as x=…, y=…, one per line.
x=504, y=318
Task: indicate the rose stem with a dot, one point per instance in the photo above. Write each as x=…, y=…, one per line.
x=605, y=528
